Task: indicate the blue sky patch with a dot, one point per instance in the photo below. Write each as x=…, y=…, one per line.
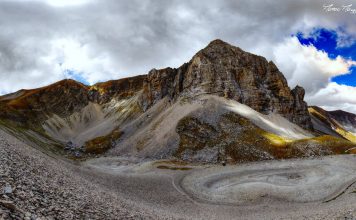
x=326, y=40
x=348, y=79
x=72, y=74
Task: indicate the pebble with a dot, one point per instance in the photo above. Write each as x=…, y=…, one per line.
x=7, y=189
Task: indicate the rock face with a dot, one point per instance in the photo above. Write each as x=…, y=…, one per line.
x=119, y=89
x=228, y=71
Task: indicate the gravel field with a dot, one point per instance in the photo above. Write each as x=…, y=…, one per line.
x=36, y=186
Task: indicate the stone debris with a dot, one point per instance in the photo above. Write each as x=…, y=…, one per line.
x=38, y=187
x=7, y=189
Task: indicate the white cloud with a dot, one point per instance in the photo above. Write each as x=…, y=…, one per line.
x=56, y=3
x=306, y=66
x=335, y=96
x=344, y=39
x=65, y=3
x=311, y=68
x=33, y=78
x=71, y=55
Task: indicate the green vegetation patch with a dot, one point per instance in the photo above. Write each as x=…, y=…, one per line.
x=173, y=168
x=103, y=143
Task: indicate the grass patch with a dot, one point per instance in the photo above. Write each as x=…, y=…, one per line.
x=318, y=115
x=103, y=143
x=171, y=162
x=173, y=168
x=142, y=143
x=334, y=144
x=352, y=150
x=276, y=140
x=347, y=135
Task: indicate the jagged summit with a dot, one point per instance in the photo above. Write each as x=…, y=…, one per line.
x=221, y=48
x=218, y=43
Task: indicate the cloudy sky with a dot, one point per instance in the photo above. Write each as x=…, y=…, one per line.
x=312, y=42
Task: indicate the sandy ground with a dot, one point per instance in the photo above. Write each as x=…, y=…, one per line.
x=322, y=188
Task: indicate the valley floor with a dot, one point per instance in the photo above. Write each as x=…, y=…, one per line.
x=35, y=185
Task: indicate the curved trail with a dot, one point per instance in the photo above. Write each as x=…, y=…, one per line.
x=270, y=189
x=340, y=193
x=313, y=181
x=181, y=191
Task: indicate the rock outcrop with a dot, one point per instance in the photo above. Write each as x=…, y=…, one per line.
x=228, y=71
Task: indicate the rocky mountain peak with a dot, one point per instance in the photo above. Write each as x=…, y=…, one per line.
x=225, y=70
x=218, y=45
x=218, y=49
x=218, y=42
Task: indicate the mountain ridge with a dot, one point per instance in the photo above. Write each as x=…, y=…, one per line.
x=176, y=112
x=337, y=123
x=170, y=82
